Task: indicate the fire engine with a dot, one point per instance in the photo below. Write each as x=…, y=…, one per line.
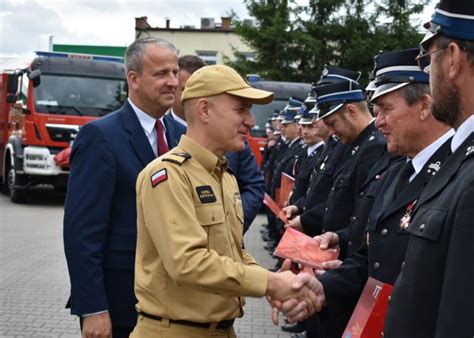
x=42, y=108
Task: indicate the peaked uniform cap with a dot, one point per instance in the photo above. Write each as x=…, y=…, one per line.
x=452, y=18
x=331, y=74
x=219, y=79
x=395, y=70
x=332, y=97
x=289, y=116
x=306, y=118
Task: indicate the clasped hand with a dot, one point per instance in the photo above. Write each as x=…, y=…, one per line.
x=299, y=296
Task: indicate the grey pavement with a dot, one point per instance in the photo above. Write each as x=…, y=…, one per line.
x=34, y=283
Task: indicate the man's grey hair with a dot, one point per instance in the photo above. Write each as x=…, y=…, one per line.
x=134, y=52
x=414, y=92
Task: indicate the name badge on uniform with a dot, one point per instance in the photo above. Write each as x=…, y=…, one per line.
x=205, y=193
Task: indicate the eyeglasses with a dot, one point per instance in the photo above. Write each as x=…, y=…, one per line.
x=424, y=59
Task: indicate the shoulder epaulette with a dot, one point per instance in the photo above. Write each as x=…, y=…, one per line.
x=177, y=158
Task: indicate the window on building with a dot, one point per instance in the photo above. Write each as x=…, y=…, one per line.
x=210, y=57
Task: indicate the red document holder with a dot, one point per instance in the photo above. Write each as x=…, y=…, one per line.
x=273, y=206
x=367, y=320
x=303, y=249
x=286, y=187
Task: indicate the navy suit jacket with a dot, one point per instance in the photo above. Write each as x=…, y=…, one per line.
x=250, y=180
x=100, y=230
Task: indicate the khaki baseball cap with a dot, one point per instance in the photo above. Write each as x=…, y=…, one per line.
x=219, y=79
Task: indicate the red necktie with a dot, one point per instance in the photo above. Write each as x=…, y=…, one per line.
x=160, y=138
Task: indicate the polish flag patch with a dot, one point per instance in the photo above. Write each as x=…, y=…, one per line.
x=158, y=177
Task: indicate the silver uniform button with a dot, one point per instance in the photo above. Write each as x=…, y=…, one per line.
x=422, y=227
x=376, y=265
x=384, y=232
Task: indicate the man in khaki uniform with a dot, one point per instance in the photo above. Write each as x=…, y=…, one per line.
x=191, y=270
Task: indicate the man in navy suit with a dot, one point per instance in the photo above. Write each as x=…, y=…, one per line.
x=100, y=210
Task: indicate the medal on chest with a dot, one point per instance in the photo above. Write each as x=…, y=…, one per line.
x=405, y=221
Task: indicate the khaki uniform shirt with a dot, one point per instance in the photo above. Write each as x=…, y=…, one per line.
x=190, y=264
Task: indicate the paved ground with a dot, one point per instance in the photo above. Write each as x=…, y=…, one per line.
x=34, y=284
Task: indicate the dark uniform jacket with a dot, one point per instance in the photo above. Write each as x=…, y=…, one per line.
x=433, y=295
x=382, y=255
x=277, y=153
x=313, y=205
x=352, y=237
x=285, y=163
x=304, y=166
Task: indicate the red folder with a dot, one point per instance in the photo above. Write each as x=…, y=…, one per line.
x=286, y=187
x=273, y=206
x=303, y=249
x=368, y=318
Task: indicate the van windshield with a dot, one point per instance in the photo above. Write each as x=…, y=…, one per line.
x=80, y=96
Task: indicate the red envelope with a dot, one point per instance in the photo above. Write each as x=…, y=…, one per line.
x=273, y=206
x=303, y=249
x=286, y=187
x=368, y=318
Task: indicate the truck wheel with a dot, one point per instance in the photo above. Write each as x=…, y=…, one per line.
x=13, y=180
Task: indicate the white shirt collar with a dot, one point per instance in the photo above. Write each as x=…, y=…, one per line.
x=146, y=121
x=178, y=119
x=423, y=156
x=463, y=132
x=314, y=147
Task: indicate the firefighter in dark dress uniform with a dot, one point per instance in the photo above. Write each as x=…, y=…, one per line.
x=433, y=295
x=404, y=117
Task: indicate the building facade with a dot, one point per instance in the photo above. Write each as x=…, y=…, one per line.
x=211, y=42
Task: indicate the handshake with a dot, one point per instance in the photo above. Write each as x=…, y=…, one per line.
x=300, y=296
x=297, y=296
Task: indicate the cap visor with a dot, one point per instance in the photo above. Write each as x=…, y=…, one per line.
x=427, y=39
x=254, y=95
x=387, y=88
x=332, y=110
x=371, y=86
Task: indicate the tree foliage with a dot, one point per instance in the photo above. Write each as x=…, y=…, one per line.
x=293, y=42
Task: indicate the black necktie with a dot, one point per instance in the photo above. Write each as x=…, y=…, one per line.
x=404, y=178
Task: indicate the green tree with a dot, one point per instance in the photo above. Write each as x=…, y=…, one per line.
x=293, y=42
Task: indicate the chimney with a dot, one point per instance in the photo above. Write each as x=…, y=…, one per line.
x=167, y=23
x=225, y=22
x=142, y=23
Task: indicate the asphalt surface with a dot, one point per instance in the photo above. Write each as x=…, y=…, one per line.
x=34, y=284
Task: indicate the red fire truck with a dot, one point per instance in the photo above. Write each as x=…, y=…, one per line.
x=42, y=108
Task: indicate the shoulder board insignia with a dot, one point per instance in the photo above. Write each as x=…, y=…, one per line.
x=158, y=177
x=176, y=158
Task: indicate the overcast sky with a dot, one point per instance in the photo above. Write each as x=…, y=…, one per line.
x=26, y=25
